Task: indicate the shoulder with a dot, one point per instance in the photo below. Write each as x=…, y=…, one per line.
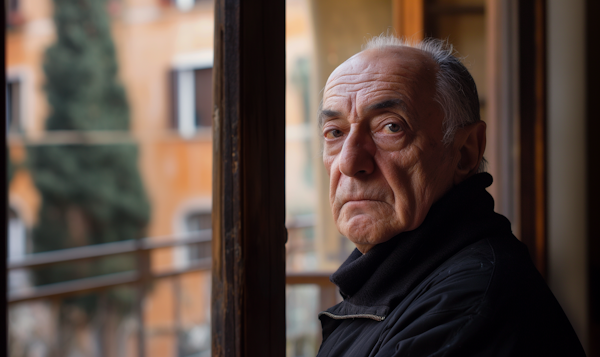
x=487, y=299
x=490, y=269
x=443, y=304
x=493, y=278
x=463, y=279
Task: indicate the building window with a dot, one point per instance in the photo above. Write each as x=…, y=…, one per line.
x=13, y=15
x=198, y=222
x=14, y=117
x=17, y=249
x=192, y=100
x=195, y=224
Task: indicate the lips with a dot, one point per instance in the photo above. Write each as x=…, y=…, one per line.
x=346, y=196
x=352, y=190
x=359, y=200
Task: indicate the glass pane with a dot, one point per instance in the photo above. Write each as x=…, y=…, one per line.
x=320, y=36
x=302, y=301
x=301, y=308
x=109, y=108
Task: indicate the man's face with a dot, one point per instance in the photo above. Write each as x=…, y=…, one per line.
x=383, y=144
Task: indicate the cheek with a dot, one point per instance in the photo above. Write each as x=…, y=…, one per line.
x=331, y=166
x=328, y=162
x=408, y=179
x=431, y=180
x=398, y=165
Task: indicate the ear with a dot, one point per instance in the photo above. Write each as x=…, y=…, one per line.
x=469, y=141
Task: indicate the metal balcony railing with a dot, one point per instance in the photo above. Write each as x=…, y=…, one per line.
x=144, y=273
x=139, y=247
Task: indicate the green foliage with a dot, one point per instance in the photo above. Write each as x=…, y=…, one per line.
x=81, y=70
x=91, y=194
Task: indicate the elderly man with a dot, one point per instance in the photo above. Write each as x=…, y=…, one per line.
x=436, y=272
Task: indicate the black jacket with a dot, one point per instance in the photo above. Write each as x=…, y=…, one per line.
x=459, y=285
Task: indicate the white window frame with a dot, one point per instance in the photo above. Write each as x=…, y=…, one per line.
x=23, y=76
x=184, y=66
x=181, y=254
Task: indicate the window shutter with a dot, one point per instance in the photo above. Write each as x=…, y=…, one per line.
x=174, y=111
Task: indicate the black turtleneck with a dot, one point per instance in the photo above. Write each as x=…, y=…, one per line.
x=382, y=277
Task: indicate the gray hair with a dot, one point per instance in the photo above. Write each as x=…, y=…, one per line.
x=456, y=91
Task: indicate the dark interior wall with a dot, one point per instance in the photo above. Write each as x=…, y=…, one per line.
x=593, y=170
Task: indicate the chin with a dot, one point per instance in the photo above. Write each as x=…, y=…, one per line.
x=369, y=241
x=364, y=229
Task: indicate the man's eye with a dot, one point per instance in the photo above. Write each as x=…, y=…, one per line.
x=393, y=128
x=334, y=133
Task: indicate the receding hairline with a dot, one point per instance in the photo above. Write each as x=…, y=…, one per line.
x=386, y=49
x=323, y=113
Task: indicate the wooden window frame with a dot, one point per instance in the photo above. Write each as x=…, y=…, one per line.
x=532, y=129
x=248, y=294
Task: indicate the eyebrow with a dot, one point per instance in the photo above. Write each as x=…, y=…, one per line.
x=325, y=114
x=388, y=104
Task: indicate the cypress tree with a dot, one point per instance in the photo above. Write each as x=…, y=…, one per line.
x=91, y=193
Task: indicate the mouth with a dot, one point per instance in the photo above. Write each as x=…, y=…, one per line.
x=359, y=201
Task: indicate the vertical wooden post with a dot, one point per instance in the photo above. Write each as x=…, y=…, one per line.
x=409, y=18
x=532, y=101
x=248, y=294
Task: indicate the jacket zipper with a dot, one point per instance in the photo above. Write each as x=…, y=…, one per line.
x=358, y=316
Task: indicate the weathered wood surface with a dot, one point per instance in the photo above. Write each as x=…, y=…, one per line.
x=248, y=296
x=408, y=18
x=532, y=101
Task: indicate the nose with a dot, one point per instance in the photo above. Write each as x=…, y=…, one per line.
x=356, y=158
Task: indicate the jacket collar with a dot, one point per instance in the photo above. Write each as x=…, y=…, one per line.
x=374, y=283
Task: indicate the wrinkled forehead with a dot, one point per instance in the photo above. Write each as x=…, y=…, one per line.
x=403, y=70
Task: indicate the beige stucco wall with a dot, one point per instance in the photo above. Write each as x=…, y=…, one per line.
x=567, y=253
